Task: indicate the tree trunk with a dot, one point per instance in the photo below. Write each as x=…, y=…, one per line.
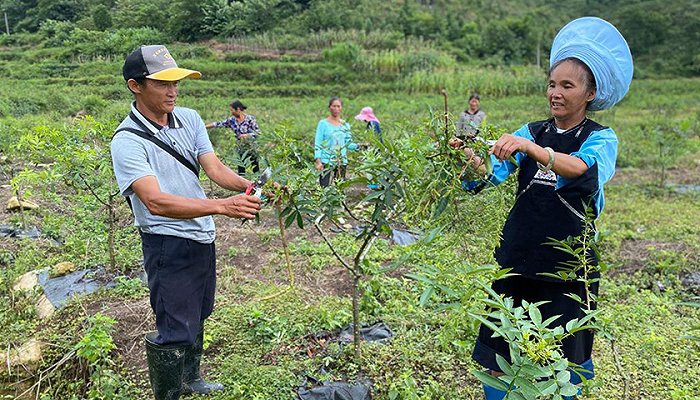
x=110, y=235
x=285, y=245
x=356, y=314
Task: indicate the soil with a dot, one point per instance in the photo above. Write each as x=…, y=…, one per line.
x=635, y=255
x=256, y=255
x=134, y=319
x=672, y=177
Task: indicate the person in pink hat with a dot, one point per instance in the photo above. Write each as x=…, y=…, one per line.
x=367, y=115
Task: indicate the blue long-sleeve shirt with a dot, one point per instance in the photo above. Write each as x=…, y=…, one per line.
x=600, y=147
x=333, y=142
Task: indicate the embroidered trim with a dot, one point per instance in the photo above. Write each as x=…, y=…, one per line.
x=573, y=210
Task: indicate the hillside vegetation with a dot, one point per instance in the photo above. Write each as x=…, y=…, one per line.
x=664, y=36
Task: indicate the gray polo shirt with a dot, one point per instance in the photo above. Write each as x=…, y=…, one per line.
x=134, y=157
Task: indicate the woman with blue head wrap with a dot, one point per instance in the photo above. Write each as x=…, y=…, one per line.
x=562, y=165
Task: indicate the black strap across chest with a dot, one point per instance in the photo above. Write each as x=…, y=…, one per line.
x=144, y=134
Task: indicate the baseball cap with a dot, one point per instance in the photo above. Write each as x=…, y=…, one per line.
x=155, y=62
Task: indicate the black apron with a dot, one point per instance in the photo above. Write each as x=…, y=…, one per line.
x=542, y=212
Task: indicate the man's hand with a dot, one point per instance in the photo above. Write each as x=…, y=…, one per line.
x=241, y=206
x=244, y=136
x=319, y=165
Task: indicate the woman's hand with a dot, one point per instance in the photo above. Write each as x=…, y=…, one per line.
x=319, y=165
x=476, y=162
x=507, y=145
x=455, y=143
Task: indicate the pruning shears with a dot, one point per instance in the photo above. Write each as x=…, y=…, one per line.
x=475, y=138
x=255, y=187
x=488, y=142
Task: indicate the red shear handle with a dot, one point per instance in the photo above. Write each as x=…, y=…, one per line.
x=249, y=189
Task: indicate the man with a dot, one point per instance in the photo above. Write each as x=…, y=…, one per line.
x=246, y=129
x=157, y=152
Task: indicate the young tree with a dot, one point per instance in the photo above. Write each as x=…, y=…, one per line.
x=80, y=158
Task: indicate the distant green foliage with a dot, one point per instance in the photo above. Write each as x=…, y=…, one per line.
x=664, y=37
x=346, y=53
x=101, y=17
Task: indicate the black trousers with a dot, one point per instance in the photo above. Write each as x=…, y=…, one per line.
x=576, y=348
x=182, y=281
x=330, y=173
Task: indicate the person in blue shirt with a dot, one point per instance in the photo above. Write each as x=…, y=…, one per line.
x=562, y=165
x=333, y=140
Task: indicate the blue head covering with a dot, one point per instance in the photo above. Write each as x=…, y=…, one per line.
x=602, y=48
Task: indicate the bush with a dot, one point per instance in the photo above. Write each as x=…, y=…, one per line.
x=346, y=53
x=55, y=33
x=101, y=17
x=19, y=39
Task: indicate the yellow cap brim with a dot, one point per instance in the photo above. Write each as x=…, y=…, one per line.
x=175, y=74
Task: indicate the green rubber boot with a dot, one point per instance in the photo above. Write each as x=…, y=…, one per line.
x=165, y=363
x=192, y=381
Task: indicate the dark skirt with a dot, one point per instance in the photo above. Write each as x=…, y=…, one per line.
x=576, y=348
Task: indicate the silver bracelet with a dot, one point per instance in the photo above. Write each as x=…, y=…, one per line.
x=550, y=163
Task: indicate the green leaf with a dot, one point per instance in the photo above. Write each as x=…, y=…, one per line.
x=516, y=396
x=421, y=278
x=535, y=315
x=427, y=294
x=563, y=376
x=576, y=297
x=289, y=220
x=527, y=388
x=488, y=323
x=568, y=389
x=547, y=387
x=503, y=365
x=441, y=206
x=548, y=321
x=490, y=380
x=489, y=164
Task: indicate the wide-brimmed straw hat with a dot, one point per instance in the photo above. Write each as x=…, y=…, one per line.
x=367, y=114
x=599, y=45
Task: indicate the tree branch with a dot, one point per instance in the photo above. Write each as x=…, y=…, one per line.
x=330, y=245
x=345, y=206
x=92, y=191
